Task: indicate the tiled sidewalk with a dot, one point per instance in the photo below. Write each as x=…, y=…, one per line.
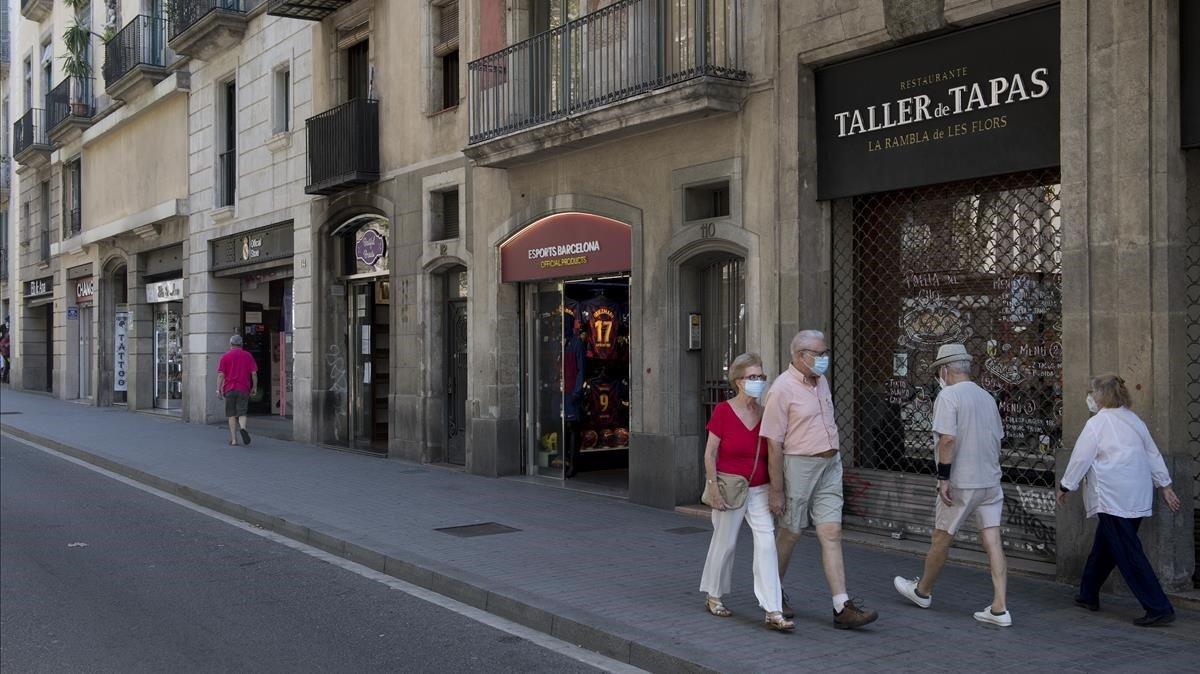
x=611, y=573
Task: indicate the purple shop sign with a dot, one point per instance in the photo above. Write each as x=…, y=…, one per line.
x=370, y=247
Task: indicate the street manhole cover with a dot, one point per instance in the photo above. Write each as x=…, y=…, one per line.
x=683, y=531
x=473, y=530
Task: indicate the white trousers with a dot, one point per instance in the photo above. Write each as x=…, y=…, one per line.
x=718, y=568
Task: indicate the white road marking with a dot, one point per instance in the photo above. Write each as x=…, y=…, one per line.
x=546, y=641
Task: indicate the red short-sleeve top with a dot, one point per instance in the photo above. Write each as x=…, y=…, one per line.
x=738, y=444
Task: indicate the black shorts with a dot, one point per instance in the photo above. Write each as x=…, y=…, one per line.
x=236, y=403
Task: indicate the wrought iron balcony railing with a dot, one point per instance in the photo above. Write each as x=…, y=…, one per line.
x=30, y=131
x=186, y=13
x=227, y=178
x=5, y=174
x=343, y=147
x=309, y=10
x=72, y=223
x=614, y=53
x=70, y=98
x=142, y=42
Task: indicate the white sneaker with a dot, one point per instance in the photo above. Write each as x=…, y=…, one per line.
x=908, y=588
x=986, y=616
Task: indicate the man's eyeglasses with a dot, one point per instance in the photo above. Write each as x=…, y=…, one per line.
x=818, y=354
x=756, y=377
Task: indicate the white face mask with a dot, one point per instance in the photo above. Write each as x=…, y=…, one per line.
x=754, y=388
x=1091, y=403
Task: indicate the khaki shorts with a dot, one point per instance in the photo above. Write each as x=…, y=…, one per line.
x=814, y=491
x=236, y=403
x=986, y=503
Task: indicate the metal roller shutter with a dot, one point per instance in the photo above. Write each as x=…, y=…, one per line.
x=976, y=262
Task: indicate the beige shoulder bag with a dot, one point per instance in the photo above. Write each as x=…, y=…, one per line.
x=733, y=488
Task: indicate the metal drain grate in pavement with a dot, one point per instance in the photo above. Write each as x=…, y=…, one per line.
x=683, y=531
x=3, y=413
x=473, y=530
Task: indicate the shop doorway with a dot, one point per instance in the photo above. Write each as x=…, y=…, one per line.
x=84, y=355
x=48, y=345
x=577, y=355
x=168, y=356
x=360, y=380
x=456, y=378
x=267, y=336
x=370, y=363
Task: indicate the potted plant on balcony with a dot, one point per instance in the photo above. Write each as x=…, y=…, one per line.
x=78, y=41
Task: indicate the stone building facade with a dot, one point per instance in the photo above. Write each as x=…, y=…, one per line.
x=527, y=237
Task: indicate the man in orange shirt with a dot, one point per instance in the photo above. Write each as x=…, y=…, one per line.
x=806, y=469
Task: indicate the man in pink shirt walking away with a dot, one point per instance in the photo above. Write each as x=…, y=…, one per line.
x=806, y=469
x=237, y=380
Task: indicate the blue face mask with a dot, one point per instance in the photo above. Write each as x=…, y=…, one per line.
x=754, y=388
x=820, y=365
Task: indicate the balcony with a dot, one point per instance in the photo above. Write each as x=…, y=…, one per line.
x=36, y=10
x=343, y=147
x=202, y=29
x=136, y=58
x=4, y=262
x=629, y=67
x=72, y=223
x=31, y=146
x=69, y=108
x=309, y=10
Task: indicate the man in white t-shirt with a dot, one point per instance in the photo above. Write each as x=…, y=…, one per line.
x=967, y=432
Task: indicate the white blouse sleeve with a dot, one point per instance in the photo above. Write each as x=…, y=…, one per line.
x=1158, y=467
x=1082, y=456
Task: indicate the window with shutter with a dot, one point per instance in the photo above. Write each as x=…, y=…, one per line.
x=450, y=214
x=447, y=29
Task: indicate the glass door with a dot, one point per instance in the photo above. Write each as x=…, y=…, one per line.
x=168, y=356
x=545, y=376
x=369, y=301
x=85, y=352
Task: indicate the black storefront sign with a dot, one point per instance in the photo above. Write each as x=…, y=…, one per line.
x=1189, y=73
x=268, y=244
x=39, y=287
x=977, y=102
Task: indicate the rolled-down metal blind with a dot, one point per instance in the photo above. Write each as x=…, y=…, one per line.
x=447, y=38
x=976, y=262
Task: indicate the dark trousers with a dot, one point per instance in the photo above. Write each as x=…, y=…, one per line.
x=1117, y=545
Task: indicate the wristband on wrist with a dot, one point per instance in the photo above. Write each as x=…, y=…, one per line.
x=943, y=471
x=1063, y=489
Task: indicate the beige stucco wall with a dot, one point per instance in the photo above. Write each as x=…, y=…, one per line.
x=144, y=178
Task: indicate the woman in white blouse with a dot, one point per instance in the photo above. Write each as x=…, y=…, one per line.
x=1122, y=465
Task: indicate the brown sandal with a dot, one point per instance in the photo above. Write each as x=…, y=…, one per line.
x=715, y=607
x=776, y=621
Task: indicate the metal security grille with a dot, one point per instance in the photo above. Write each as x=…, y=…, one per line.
x=1193, y=334
x=975, y=262
x=723, y=291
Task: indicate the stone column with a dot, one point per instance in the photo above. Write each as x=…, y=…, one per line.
x=212, y=308
x=140, y=392
x=1123, y=248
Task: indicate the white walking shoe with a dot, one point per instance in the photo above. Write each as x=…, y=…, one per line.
x=908, y=588
x=986, y=616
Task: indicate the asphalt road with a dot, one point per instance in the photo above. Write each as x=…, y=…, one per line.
x=98, y=576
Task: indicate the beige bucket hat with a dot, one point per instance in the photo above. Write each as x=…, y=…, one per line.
x=950, y=353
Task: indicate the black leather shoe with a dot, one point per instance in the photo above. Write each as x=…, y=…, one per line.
x=1154, y=620
x=1091, y=606
x=787, y=608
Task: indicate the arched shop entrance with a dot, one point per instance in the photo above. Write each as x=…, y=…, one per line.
x=575, y=291
x=358, y=358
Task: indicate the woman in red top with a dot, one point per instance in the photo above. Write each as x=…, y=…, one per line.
x=734, y=447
